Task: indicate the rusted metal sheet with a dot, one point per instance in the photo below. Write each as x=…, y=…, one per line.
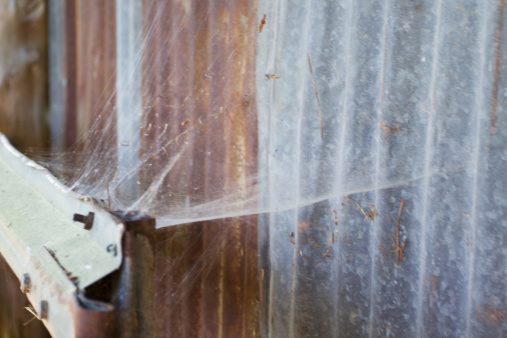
x=14, y=318
x=62, y=73
x=180, y=281
x=210, y=280
x=198, y=279
x=95, y=62
x=199, y=62
x=95, y=85
x=83, y=70
x=23, y=73
x=83, y=66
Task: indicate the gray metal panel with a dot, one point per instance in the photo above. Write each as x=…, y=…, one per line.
x=412, y=97
x=129, y=17
x=57, y=80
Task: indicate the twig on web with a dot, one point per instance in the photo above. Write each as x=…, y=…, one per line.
x=397, y=248
x=317, y=96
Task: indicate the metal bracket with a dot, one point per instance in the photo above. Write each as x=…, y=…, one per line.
x=53, y=256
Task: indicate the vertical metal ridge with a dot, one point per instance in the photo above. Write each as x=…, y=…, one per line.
x=374, y=240
x=275, y=27
x=70, y=73
x=427, y=177
x=483, y=43
x=128, y=96
x=340, y=163
x=56, y=74
x=294, y=284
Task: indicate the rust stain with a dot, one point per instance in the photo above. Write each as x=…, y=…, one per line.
x=326, y=254
x=498, y=63
x=335, y=215
x=291, y=236
x=304, y=226
x=73, y=279
x=434, y=286
x=272, y=77
x=387, y=129
x=373, y=213
x=209, y=282
x=492, y=314
x=263, y=22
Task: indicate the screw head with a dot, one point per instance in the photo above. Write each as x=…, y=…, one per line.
x=44, y=309
x=27, y=283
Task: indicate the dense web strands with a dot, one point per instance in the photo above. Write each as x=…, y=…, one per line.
x=199, y=127
x=176, y=136
x=114, y=185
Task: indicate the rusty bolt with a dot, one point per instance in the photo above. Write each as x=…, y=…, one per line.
x=44, y=309
x=27, y=283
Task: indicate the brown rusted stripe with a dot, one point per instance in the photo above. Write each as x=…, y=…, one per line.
x=24, y=73
x=91, y=75
x=498, y=64
x=198, y=75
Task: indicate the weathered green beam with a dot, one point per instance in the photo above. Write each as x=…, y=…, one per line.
x=53, y=256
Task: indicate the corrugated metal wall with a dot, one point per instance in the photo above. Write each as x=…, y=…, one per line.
x=408, y=125
x=82, y=41
x=199, y=59
x=203, y=279
x=412, y=96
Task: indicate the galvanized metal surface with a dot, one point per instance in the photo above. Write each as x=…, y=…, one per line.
x=129, y=55
x=413, y=108
x=57, y=73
